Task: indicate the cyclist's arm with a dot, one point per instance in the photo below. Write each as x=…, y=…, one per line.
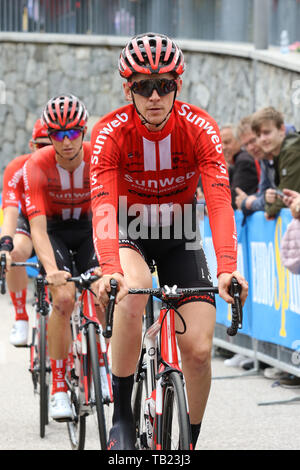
x=42, y=244
x=35, y=184
x=10, y=203
x=217, y=194
x=10, y=219
x=104, y=200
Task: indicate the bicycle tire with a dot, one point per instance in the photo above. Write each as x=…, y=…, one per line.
x=76, y=427
x=44, y=387
x=175, y=430
x=95, y=386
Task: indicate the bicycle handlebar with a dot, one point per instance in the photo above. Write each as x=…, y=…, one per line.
x=3, y=270
x=162, y=293
x=166, y=292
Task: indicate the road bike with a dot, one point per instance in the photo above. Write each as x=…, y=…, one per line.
x=159, y=399
x=88, y=374
x=39, y=365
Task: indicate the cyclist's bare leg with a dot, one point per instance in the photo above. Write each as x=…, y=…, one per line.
x=17, y=281
x=126, y=344
x=126, y=340
x=195, y=347
x=59, y=332
x=17, y=278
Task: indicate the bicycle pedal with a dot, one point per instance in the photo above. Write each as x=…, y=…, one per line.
x=85, y=410
x=106, y=400
x=63, y=420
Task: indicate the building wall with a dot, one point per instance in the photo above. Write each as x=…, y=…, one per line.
x=228, y=83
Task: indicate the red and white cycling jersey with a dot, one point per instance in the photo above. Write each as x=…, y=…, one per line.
x=13, y=192
x=52, y=191
x=162, y=167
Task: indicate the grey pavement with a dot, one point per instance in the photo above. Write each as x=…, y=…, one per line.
x=233, y=419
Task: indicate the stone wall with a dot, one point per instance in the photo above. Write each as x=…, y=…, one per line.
x=227, y=83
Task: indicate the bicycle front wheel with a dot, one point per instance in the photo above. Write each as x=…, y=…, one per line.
x=95, y=387
x=43, y=371
x=175, y=430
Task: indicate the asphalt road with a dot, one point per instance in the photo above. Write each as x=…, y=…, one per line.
x=233, y=421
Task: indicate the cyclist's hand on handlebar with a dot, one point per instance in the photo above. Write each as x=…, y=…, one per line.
x=8, y=259
x=104, y=289
x=224, y=281
x=57, y=278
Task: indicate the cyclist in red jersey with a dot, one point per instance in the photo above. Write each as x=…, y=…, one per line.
x=149, y=155
x=15, y=241
x=57, y=190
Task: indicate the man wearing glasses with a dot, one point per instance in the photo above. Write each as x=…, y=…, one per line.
x=151, y=153
x=15, y=240
x=57, y=190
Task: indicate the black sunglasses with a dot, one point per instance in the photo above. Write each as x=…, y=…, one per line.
x=163, y=86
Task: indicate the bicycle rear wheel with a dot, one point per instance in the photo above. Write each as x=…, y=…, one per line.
x=175, y=434
x=95, y=387
x=43, y=374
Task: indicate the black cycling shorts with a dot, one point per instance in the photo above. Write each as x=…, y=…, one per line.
x=23, y=226
x=180, y=262
x=76, y=237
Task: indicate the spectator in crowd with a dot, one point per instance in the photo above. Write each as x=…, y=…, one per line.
x=254, y=202
x=268, y=125
x=292, y=200
x=241, y=166
x=249, y=204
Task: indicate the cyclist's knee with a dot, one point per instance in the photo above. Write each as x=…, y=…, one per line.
x=198, y=355
x=133, y=307
x=63, y=302
x=18, y=254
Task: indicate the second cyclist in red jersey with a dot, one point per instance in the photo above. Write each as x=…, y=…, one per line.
x=57, y=190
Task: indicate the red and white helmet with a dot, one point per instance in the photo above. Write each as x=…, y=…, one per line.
x=64, y=112
x=39, y=130
x=151, y=53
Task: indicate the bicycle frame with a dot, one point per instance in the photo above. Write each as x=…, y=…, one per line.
x=159, y=363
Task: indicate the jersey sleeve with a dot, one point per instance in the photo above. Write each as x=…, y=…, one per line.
x=104, y=199
x=11, y=194
x=216, y=188
x=35, y=182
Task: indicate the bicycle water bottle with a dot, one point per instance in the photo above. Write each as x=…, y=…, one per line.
x=149, y=413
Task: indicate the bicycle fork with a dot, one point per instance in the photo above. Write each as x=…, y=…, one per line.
x=89, y=313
